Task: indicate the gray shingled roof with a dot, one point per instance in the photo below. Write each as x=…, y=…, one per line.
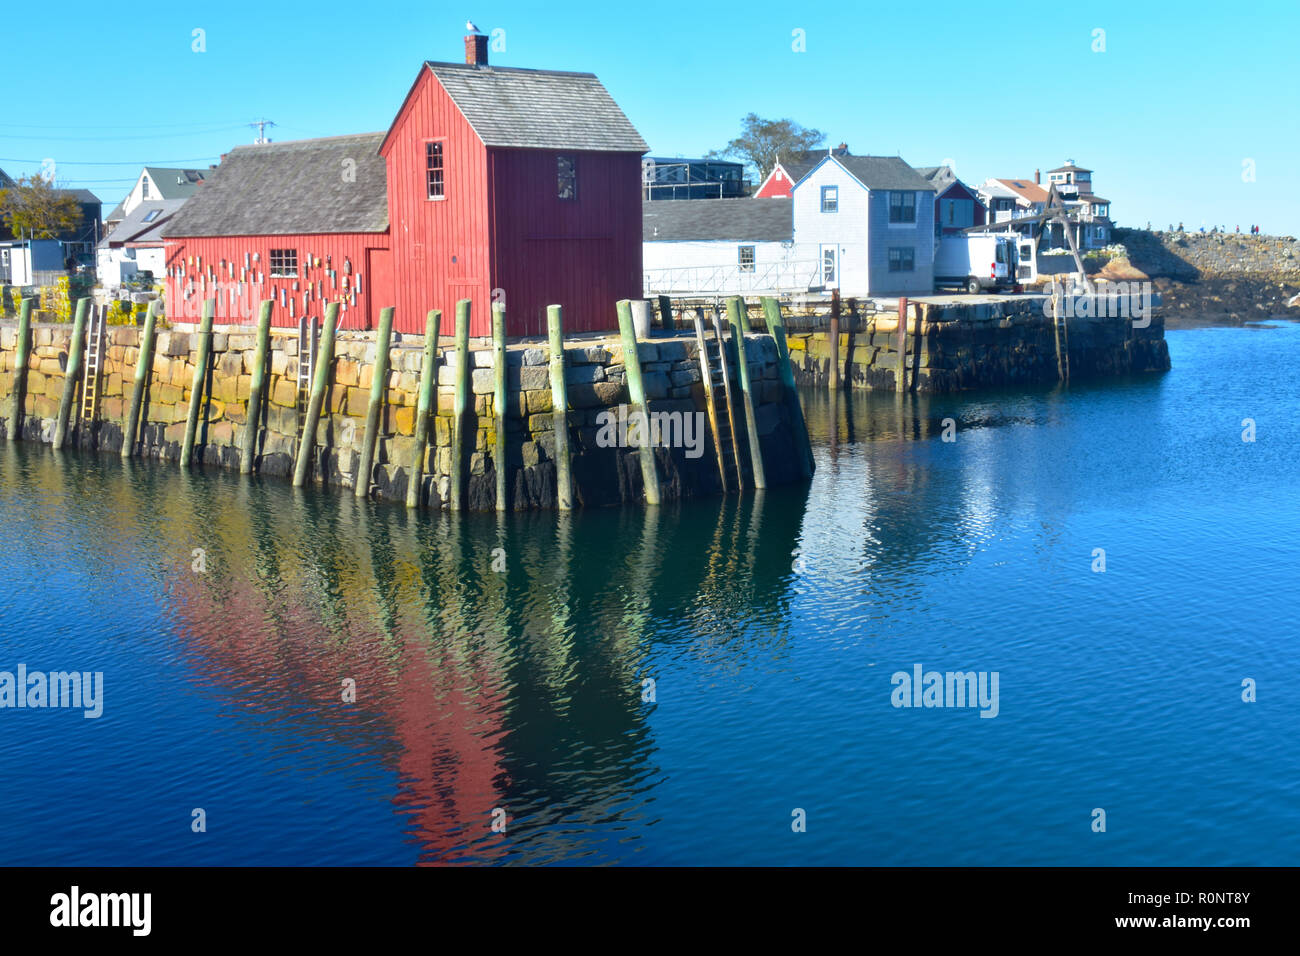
x=292, y=187
x=165, y=179
x=742, y=220
x=884, y=172
x=136, y=226
x=538, y=109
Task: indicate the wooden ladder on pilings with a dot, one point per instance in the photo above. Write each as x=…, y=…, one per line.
x=94, y=359
x=308, y=340
x=716, y=376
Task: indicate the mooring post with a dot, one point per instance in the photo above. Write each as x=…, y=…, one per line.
x=739, y=325
x=901, y=378
x=1057, y=308
x=460, y=408
x=499, y=397
x=253, y=420
x=428, y=387
x=636, y=394
x=378, y=385
x=917, y=324
x=666, y=313
x=835, y=340
x=143, y=366
x=200, y=379
x=776, y=326
x=320, y=386
x=72, y=373
x=560, y=408
x=22, y=356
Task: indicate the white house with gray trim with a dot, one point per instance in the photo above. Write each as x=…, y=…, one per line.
x=721, y=246
x=869, y=223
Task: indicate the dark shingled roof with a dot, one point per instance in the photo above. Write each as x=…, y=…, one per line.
x=538, y=109
x=292, y=187
x=137, y=226
x=164, y=179
x=884, y=172
x=742, y=220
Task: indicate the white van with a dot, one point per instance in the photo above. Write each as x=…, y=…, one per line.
x=976, y=262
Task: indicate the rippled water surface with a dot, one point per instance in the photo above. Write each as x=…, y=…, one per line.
x=515, y=680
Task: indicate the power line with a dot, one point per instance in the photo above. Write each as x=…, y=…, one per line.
x=114, y=126
x=129, y=162
x=109, y=139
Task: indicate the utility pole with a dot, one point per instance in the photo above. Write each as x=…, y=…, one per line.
x=261, y=126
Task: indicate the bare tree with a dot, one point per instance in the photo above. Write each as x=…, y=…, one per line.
x=762, y=142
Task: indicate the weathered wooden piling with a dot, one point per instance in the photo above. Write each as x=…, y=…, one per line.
x=258, y=384
x=835, y=340
x=378, y=385
x=22, y=358
x=636, y=394
x=320, y=387
x=710, y=402
x=428, y=388
x=666, y=313
x=499, y=397
x=73, y=371
x=917, y=341
x=776, y=326
x=728, y=401
x=739, y=325
x=900, y=381
x=460, y=408
x=200, y=379
x=560, y=408
x=143, y=366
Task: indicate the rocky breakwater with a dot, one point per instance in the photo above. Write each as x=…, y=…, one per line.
x=1217, y=278
x=605, y=468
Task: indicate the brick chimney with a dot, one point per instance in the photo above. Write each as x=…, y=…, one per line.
x=476, y=49
x=1038, y=177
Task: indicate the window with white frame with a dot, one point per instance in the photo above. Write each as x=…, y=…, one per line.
x=902, y=206
x=830, y=199
x=144, y=187
x=284, y=263
x=903, y=259
x=745, y=258
x=434, y=170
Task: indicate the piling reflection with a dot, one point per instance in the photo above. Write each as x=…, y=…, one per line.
x=498, y=661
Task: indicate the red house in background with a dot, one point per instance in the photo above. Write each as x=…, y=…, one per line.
x=492, y=184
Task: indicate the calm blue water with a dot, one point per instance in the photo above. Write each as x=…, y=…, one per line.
x=770, y=627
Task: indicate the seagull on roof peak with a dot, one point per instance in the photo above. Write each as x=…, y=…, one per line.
x=469, y=25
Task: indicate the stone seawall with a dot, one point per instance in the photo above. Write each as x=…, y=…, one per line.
x=602, y=474
x=977, y=345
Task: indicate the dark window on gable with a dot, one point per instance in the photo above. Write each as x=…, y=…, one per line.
x=144, y=188
x=745, y=258
x=902, y=259
x=284, y=263
x=433, y=164
x=566, y=177
x=830, y=199
x=902, y=206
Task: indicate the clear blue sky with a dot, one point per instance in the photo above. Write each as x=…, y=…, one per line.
x=1166, y=116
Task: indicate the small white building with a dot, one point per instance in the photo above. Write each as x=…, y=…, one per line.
x=153, y=184
x=721, y=247
x=136, y=244
x=869, y=222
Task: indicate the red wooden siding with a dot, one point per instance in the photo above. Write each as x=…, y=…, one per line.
x=440, y=246
x=583, y=254
x=205, y=275
x=772, y=188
